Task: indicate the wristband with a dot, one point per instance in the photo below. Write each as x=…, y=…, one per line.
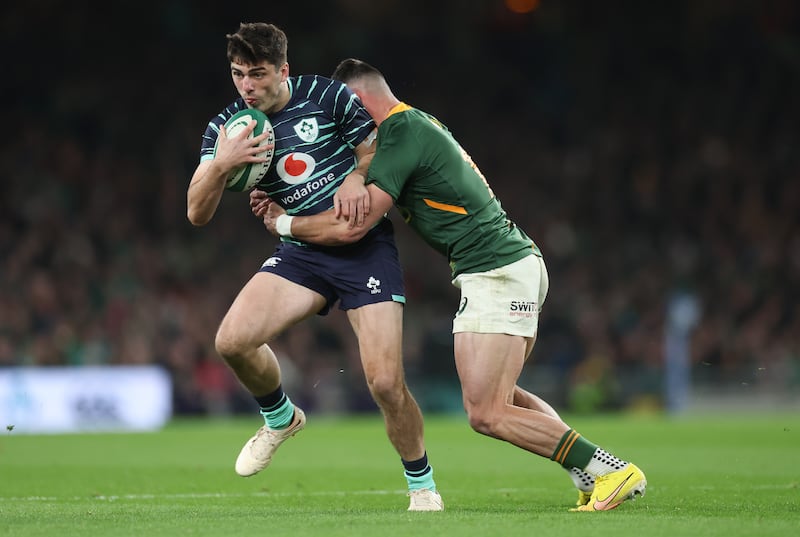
x=283, y=225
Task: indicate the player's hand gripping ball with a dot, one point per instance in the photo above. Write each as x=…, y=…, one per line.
x=249, y=175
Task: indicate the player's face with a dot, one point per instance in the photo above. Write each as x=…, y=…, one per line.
x=262, y=86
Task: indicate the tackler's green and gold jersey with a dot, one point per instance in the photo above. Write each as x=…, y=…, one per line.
x=443, y=195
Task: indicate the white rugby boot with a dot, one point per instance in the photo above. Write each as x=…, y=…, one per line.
x=425, y=500
x=258, y=451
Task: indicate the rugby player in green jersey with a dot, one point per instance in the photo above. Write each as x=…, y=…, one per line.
x=419, y=167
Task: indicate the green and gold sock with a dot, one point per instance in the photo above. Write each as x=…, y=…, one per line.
x=574, y=451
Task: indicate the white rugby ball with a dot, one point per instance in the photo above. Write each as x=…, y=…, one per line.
x=249, y=175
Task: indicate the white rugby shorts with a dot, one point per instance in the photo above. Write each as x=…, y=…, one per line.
x=505, y=300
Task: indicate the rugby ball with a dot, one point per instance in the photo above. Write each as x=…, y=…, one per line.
x=248, y=176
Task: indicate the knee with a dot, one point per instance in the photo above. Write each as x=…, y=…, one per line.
x=481, y=419
x=229, y=346
x=387, y=389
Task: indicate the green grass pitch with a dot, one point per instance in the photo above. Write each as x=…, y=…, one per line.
x=710, y=475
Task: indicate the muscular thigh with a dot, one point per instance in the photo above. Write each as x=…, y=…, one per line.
x=489, y=365
x=379, y=329
x=266, y=306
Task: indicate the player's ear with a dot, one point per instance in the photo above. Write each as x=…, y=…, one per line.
x=284, y=71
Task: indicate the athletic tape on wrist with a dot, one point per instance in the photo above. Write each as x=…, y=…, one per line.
x=283, y=225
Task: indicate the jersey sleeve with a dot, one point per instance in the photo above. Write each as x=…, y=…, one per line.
x=214, y=125
x=354, y=121
x=396, y=158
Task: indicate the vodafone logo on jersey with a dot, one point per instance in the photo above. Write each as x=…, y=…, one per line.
x=295, y=168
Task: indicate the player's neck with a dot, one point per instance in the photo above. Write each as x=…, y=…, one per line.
x=284, y=96
x=384, y=107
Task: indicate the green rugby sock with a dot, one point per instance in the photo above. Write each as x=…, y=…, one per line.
x=280, y=415
x=573, y=451
x=419, y=474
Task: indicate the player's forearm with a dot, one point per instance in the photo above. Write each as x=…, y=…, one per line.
x=325, y=229
x=364, y=153
x=363, y=165
x=204, y=194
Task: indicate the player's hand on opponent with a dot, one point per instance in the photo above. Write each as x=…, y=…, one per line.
x=259, y=202
x=262, y=207
x=271, y=214
x=351, y=200
x=239, y=150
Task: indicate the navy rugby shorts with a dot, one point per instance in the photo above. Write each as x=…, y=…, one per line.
x=365, y=272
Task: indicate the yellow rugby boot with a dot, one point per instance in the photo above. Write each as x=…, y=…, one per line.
x=612, y=489
x=583, y=497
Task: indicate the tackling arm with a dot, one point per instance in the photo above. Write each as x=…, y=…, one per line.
x=351, y=200
x=328, y=230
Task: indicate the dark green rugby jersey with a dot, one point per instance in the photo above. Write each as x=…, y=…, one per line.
x=442, y=194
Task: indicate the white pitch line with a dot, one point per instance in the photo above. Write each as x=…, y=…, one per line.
x=112, y=498
x=338, y=493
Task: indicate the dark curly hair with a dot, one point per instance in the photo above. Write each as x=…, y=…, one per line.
x=256, y=42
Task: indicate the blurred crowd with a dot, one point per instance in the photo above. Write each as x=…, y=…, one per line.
x=651, y=156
